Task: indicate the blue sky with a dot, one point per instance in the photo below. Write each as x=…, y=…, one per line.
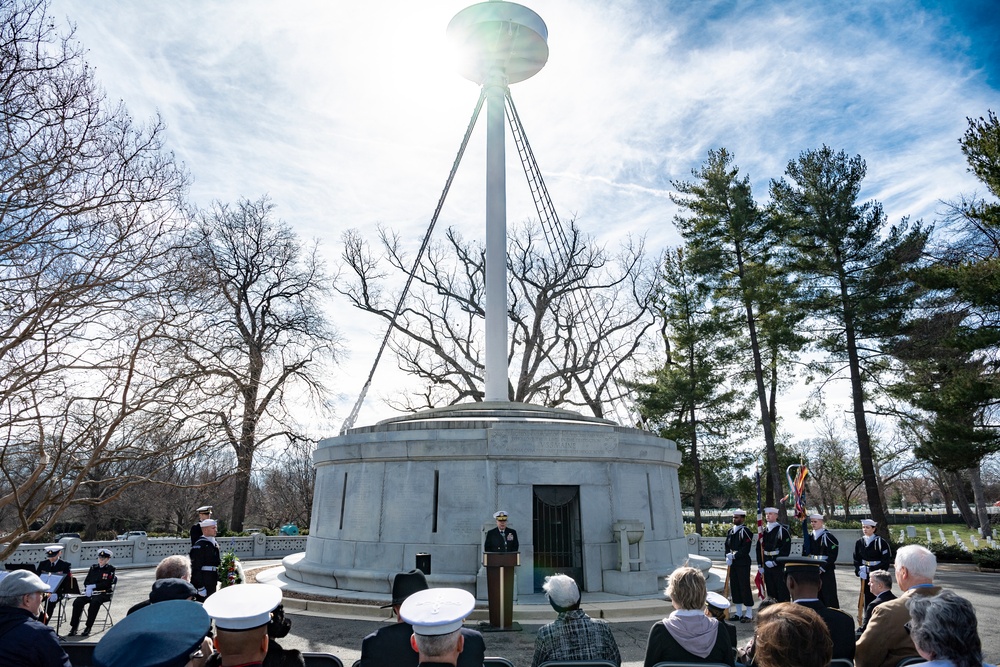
x=350, y=114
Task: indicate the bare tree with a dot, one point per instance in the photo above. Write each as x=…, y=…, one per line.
x=283, y=491
x=578, y=319
x=258, y=334
x=88, y=232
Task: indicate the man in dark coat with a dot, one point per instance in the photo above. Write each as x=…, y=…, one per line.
x=775, y=543
x=871, y=553
x=24, y=641
x=97, y=586
x=204, y=513
x=804, y=583
x=738, y=541
x=54, y=564
x=501, y=538
x=880, y=583
x=205, y=560
x=390, y=646
x=825, y=548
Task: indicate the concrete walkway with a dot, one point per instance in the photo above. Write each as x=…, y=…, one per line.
x=338, y=628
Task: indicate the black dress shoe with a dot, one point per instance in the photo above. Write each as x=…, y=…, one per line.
x=72, y=632
x=85, y=633
x=746, y=619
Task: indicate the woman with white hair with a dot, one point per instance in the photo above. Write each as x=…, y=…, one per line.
x=688, y=635
x=944, y=630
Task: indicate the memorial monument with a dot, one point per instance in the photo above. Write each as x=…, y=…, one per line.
x=587, y=497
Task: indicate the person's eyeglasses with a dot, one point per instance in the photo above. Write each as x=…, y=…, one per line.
x=906, y=626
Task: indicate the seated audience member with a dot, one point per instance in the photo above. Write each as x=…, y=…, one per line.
x=688, y=635
x=717, y=606
x=885, y=640
x=880, y=586
x=744, y=655
x=945, y=631
x=803, y=581
x=54, y=564
x=573, y=635
x=791, y=635
x=437, y=615
x=24, y=640
x=390, y=645
x=277, y=628
x=171, y=567
x=171, y=634
x=167, y=589
x=97, y=591
x=242, y=614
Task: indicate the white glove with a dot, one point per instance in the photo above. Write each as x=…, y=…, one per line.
x=729, y=560
x=863, y=572
x=770, y=563
x=53, y=597
x=203, y=592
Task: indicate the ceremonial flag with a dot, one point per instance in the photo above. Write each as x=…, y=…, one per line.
x=759, y=579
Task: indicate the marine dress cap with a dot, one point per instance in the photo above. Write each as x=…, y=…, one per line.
x=107, y=553
x=768, y=510
x=717, y=600
x=817, y=517
x=500, y=515
x=243, y=606
x=54, y=549
x=436, y=611
x=739, y=513
x=21, y=582
x=162, y=635
x=800, y=564
x=406, y=584
x=868, y=522
x=207, y=523
x=204, y=509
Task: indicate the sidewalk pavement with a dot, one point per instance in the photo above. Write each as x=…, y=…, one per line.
x=338, y=628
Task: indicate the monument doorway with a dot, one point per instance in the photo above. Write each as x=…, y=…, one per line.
x=557, y=538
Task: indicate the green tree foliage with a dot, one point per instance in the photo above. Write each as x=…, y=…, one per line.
x=731, y=248
x=689, y=399
x=852, y=270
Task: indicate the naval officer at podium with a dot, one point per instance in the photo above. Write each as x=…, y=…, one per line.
x=501, y=539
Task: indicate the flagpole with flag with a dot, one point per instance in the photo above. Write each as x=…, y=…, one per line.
x=759, y=579
x=798, y=489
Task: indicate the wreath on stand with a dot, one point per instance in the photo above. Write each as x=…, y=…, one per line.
x=230, y=570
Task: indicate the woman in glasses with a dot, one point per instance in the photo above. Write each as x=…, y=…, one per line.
x=944, y=630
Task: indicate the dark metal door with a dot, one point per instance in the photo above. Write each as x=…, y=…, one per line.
x=558, y=544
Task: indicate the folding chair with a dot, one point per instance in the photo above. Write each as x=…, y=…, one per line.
x=322, y=660
x=105, y=619
x=497, y=662
x=912, y=660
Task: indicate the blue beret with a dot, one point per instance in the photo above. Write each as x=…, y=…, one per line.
x=160, y=635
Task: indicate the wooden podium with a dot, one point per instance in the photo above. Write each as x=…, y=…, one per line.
x=500, y=586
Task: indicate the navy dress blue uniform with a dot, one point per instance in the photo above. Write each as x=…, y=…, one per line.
x=777, y=543
x=825, y=549
x=390, y=647
x=497, y=541
x=841, y=627
x=873, y=554
x=102, y=578
x=58, y=567
x=205, y=561
x=738, y=541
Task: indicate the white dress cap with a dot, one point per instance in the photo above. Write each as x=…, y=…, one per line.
x=204, y=509
x=818, y=517
x=770, y=509
x=54, y=548
x=500, y=515
x=243, y=606
x=436, y=611
x=868, y=522
x=739, y=513
x=208, y=522
x=717, y=600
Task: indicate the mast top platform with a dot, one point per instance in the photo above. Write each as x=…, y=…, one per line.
x=502, y=35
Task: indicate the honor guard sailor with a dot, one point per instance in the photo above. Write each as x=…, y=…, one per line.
x=825, y=548
x=204, y=512
x=205, y=560
x=871, y=553
x=775, y=543
x=738, y=542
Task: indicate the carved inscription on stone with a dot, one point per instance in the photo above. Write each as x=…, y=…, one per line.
x=525, y=442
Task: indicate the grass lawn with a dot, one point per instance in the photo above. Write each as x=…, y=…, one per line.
x=964, y=532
